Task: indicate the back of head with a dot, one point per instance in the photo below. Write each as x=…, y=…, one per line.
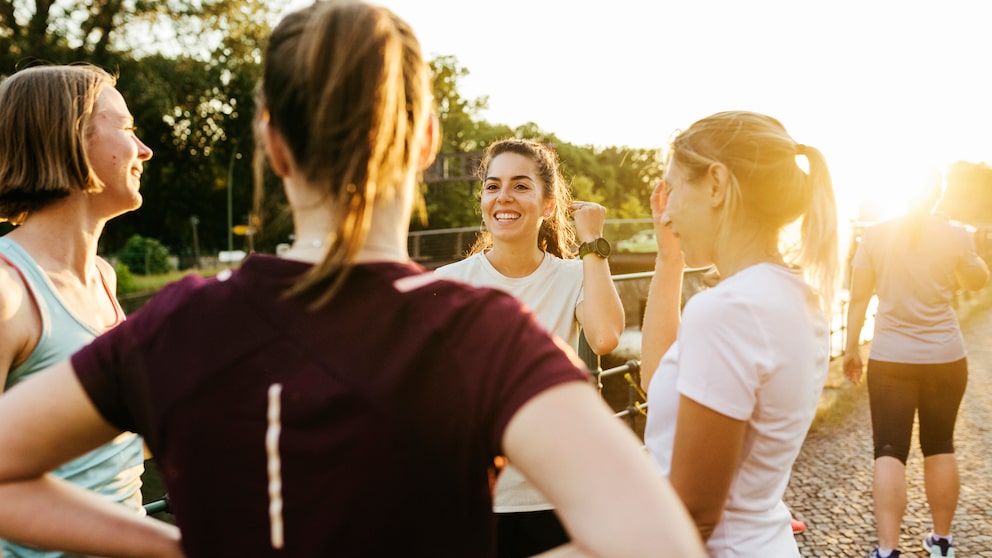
x=345, y=85
x=44, y=117
x=768, y=188
x=556, y=235
x=922, y=200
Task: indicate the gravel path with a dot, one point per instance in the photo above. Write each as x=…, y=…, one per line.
x=831, y=481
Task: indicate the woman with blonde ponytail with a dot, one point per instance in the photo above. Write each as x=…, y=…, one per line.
x=733, y=380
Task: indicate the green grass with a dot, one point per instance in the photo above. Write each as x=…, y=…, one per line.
x=144, y=283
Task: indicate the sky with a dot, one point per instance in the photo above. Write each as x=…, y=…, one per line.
x=891, y=91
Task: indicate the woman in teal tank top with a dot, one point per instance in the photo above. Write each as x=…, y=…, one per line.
x=69, y=162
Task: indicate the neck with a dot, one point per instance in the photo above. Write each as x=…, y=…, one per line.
x=745, y=251
x=61, y=242
x=386, y=239
x=514, y=261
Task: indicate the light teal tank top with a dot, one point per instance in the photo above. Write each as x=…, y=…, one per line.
x=113, y=470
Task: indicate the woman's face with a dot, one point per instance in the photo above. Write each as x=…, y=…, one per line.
x=513, y=202
x=115, y=153
x=691, y=215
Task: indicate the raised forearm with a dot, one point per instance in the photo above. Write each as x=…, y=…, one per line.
x=662, y=315
x=602, y=316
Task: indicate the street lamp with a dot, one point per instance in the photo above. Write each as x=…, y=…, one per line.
x=194, y=220
x=230, y=188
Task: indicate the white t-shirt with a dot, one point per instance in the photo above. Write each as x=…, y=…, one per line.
x=915, y=321
x=551, y=292
x=754, y=348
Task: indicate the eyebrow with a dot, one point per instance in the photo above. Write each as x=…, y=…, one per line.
x=512, y=178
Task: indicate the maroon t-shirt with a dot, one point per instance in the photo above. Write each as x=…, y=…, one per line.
x=394, y=400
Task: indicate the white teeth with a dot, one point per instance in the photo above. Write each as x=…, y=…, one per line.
x=506, y=216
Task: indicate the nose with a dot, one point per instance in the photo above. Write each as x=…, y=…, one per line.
x=505, y=194
x=144, y=152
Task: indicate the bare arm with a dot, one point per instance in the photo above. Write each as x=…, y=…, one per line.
x=56, y=422
x=862, y=289
x=601, y=312
x=662, y=314
x=610, y=497
x=20, y=324
x=705, y=455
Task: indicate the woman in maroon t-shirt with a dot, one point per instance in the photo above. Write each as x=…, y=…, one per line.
x=349, y=363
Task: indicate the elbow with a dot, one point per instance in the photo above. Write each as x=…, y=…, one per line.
x=706, y=521
x=975, y=282
x=603, y=342
x=602, y=347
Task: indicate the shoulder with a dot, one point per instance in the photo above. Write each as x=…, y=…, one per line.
x=561, y=268
x=105, y=266
x=755, y=290
x=13, y=290
x=564, y=263
x=108, y=272
x=19, y=321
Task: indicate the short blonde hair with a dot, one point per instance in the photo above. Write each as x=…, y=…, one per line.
x=44, y=118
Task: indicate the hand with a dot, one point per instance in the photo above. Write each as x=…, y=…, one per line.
x=853, y=366
x=669, y=248
x=589, y=220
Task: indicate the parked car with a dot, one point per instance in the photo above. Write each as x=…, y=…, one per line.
x=642, y=242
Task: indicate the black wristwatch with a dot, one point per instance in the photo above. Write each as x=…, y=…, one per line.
x=600, y=247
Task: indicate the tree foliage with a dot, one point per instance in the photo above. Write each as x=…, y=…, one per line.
x=192, y=100
x=968, y=193
x=144, y=256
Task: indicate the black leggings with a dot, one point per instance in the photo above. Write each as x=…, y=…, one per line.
x=896, y=391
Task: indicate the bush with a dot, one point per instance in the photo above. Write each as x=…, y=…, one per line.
x=125, y=280
x=145, y=256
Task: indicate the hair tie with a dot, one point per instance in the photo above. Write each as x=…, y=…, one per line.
x=800, y=149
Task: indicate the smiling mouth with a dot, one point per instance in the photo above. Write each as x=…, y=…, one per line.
x=506, y=216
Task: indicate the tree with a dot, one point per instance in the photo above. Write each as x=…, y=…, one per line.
x=192, y=102
x=144, y=256
x=968, y=194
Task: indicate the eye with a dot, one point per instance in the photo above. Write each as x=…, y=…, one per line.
x=490, y=187
x=522, y=186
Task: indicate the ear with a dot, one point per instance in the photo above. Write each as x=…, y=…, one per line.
x=549, y=207
x=717, y=181
x=432, y=141
x=275, y=148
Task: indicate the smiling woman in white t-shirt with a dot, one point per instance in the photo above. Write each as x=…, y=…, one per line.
x=527, y=250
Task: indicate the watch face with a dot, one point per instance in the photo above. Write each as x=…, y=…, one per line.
x=602, y=247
